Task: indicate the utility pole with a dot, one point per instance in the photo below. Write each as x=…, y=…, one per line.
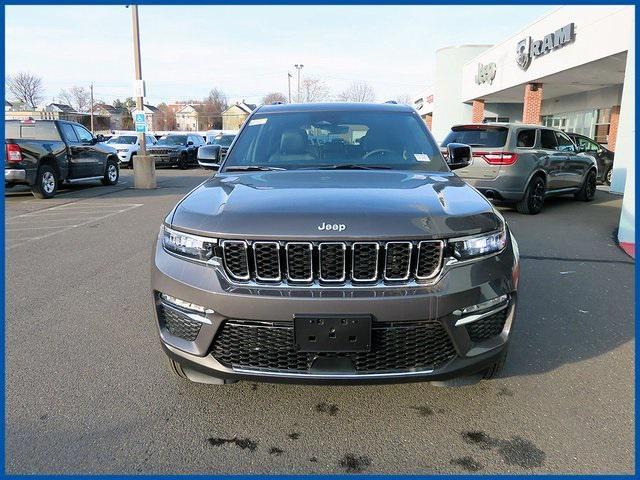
x=289, y=81
x=144, y=168
x=299, y=68
x=91, y=88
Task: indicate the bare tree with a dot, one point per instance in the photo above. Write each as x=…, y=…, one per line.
x=78, y=97
x=167, y=117
x=358, y=92
x=26, y=88
x=211, y=108
x=314, y=90
x=404, y=99
x=273, y=97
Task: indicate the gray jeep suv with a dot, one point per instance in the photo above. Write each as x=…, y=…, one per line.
x=523, y=164
x=335, y=245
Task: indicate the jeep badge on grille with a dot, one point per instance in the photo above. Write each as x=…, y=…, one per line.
x=335, y=226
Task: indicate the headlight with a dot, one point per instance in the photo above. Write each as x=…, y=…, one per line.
x=187, y=245
x=480, y=245
x=122, y=150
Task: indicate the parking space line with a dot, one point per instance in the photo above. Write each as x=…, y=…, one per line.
x=67, y=228
x=36, y=228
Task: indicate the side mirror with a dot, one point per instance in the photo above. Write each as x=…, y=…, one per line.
x=459, y=155
x=100, y=138
x=216, y=153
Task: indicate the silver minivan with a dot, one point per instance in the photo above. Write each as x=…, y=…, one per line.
x=523, y=164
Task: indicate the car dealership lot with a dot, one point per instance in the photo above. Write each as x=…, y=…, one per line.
x=88, y=388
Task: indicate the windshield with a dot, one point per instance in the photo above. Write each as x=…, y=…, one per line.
x=224, y=140
x=478, y=136
x=123, y=139
x=331, y=139
x=173, y=140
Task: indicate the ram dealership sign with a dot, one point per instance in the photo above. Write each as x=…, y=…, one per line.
x=528, y=49
x=486, y=73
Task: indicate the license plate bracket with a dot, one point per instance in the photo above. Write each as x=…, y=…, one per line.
x=332, y=333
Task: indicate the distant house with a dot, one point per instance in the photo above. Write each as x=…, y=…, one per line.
x=112, y=115
x=234, y=116
x=188, y=118
x=59, y=108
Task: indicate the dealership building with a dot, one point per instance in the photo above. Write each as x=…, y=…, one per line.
x=573, y=69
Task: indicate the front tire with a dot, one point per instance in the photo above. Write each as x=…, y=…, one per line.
x=588, y=190
x=183, y=162
x=533, y=200
x=46, y=184
x=111, y=173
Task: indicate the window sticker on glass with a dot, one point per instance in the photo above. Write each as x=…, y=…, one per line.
x=258, y=121
x=422, y=157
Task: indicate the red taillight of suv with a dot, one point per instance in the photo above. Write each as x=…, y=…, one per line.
x=498, y=158
x=14, y=154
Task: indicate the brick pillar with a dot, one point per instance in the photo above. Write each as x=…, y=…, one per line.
x=428, y=119
x=477, y=111
x=532, y=103
x=613, y=128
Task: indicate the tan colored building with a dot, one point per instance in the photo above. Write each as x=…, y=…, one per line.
x=234, y=116
x=188, y=118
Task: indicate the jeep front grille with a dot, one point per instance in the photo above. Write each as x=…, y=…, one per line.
x=331, y=262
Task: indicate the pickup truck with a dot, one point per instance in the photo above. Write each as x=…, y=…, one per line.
x=42, y=154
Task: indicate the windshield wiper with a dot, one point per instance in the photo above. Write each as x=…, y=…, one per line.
x=351, y=166
x=252, y=168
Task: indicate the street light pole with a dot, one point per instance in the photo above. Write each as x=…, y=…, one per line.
x=91, y=108
x=299, y=68
x=144, y=171
x=289, y=81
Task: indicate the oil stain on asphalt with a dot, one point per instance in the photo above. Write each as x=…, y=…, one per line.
x=330, y=408
x=294, y=435
x=354, y=463
x=243, y=443
x=423, y=411
x=517, y=451
x=467, y=463
x=277, y=451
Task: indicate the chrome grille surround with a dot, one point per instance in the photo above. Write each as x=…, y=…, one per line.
x=242, y=259
x=324, y=265
x=433, y=243
x=332, y=263
x=261, y=259
x=391, y=264
x=289, y=260
x=355, y=267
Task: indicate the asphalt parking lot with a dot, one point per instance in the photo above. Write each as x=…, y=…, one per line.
x=88, y=388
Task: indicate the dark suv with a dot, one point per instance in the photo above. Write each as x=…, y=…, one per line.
x=335, y=245
x=176, y=149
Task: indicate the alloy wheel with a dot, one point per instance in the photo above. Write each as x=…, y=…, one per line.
x=48, y=182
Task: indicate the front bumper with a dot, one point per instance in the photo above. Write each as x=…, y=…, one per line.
x=422, y=313
x=168, y=159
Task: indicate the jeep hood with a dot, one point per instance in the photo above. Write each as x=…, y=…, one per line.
x=292, y=205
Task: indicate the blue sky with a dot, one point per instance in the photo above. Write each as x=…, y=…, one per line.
x=246, y=50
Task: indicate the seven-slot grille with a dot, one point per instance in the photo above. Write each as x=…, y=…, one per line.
x=332, y=262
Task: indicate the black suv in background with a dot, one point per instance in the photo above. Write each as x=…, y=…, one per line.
x=603, y=156
x=44, y=153
x=176, y=149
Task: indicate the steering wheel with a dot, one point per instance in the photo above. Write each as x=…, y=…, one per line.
x=376, y=152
